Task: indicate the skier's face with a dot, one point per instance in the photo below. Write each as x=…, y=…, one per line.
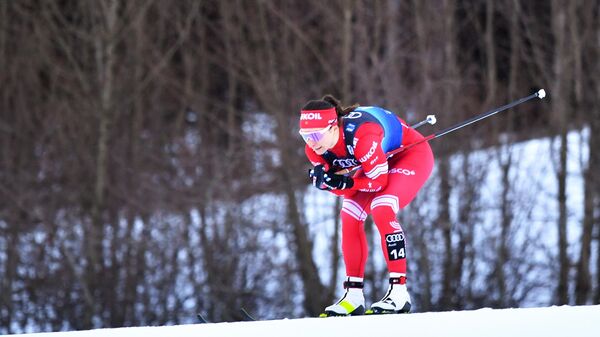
x=321, y=140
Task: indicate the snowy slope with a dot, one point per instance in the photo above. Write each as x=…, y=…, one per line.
x=546, y=322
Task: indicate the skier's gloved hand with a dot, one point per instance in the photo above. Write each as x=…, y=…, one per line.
x=337, y=182
x=317, y=177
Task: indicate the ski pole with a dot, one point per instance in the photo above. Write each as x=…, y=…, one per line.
x=539, y=94
x=429, y=120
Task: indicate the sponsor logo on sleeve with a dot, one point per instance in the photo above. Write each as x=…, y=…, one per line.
x=406, y=172
x=371, y=190
x=370, y=153
x=345, y=163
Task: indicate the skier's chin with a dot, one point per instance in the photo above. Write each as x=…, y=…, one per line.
x=320, y=150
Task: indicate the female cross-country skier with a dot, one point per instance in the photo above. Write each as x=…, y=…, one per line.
x=342, y=137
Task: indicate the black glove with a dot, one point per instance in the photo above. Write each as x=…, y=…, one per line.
x=317, y=177
x=337, y=182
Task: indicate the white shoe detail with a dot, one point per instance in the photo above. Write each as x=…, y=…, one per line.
x=352, y=303
x=395, y=300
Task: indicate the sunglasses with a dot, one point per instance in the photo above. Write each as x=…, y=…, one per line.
x=315, y=136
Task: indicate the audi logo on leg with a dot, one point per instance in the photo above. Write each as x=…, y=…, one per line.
x=390, y=238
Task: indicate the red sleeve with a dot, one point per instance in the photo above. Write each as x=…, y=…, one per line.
x=373, y=161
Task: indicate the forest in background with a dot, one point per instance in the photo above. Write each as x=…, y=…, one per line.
x=139, y=140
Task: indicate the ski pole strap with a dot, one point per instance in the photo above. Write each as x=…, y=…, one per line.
x=398, y=280
x=352, y=284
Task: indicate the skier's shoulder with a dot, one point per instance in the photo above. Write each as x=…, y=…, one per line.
x=368, y=130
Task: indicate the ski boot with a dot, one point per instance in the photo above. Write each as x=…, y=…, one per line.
x=395, y=301
x=352, y=303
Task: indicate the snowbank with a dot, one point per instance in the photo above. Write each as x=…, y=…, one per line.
x=546, y=322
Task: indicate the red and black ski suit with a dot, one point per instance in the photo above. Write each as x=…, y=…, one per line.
x=381, y=188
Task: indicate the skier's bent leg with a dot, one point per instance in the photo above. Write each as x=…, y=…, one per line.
x=396, y=299
x=354, y=248
x=354, y=239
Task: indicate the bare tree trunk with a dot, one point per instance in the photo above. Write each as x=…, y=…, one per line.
x=506, y=220
x=445, y=223
x=583, y=280
x=315, y=293
x=425, y=269
x=594, y=142
x=515, y=48
x=490, y=48
x=347, y=43
x=594, y=160
x=8, y=253
x=105, y=58
x=9, y=278
x=422, y=38
x=232, y=76
x=564, y=263
x=559, y=97
x=464, y=226
x=452, y=268
x=506, y=161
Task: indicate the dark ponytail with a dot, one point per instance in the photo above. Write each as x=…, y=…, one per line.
x=339, y=109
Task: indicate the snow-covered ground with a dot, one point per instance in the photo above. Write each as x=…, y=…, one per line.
x=547, y=322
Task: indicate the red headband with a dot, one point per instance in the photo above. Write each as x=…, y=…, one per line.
x=317, y=119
